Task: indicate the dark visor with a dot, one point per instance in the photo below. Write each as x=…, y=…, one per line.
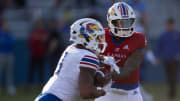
x=123, y=23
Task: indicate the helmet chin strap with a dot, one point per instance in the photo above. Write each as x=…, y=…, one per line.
x=123, y=32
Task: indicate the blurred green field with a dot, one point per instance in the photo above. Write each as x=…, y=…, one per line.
x=159, y=91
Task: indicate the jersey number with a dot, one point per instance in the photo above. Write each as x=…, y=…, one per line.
x=61, y=64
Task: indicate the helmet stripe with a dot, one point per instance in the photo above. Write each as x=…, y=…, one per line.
x=121, y=11
x=124, y=10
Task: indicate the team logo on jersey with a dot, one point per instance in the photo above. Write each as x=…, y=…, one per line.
x=126, y=47
x=122, y=56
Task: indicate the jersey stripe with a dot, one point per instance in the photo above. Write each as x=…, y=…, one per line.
x=91, y=57
x=89, y=61
x=84, y=64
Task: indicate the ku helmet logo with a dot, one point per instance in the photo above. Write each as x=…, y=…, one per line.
x=112, y=12
x=82, y=33
x=92, y=27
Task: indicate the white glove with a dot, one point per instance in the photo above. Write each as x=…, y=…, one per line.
x=110, y=61
x=107, y=87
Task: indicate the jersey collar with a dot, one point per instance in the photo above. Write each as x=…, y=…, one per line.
x=116, y=43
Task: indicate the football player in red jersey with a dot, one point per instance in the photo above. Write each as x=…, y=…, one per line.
x=127, y=47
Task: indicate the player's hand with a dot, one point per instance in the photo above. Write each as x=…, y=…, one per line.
x=107, y=77
x=101, y=92
x=101, y=61
x=110, y=61
x=102, y=77
x=107, y=87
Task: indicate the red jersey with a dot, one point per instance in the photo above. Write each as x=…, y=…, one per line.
x=120, y=51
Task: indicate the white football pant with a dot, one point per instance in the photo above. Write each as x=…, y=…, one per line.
x=121, y=95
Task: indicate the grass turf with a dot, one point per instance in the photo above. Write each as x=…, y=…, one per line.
x=159, y=92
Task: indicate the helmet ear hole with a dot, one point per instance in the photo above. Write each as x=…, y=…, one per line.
x=74, y=32
x=85, y=44
x=132, y=29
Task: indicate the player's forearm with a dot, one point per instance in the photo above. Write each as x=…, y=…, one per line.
x=131, y=64
x=124, y=73
x=86, y=85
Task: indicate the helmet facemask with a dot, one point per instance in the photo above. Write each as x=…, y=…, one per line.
x=122, y=27
x=98, y=44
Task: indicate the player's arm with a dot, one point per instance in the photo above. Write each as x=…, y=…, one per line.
x=86, y=84
x=131, y=64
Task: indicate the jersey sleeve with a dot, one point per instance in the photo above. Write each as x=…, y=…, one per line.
x=142, y=42
x=89, y=61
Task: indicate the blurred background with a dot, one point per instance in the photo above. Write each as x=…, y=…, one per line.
x=34, y=33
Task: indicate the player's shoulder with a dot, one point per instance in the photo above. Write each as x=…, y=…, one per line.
x=107, y=30
x=80, y=52
x=138, y=35
x=83, y=53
